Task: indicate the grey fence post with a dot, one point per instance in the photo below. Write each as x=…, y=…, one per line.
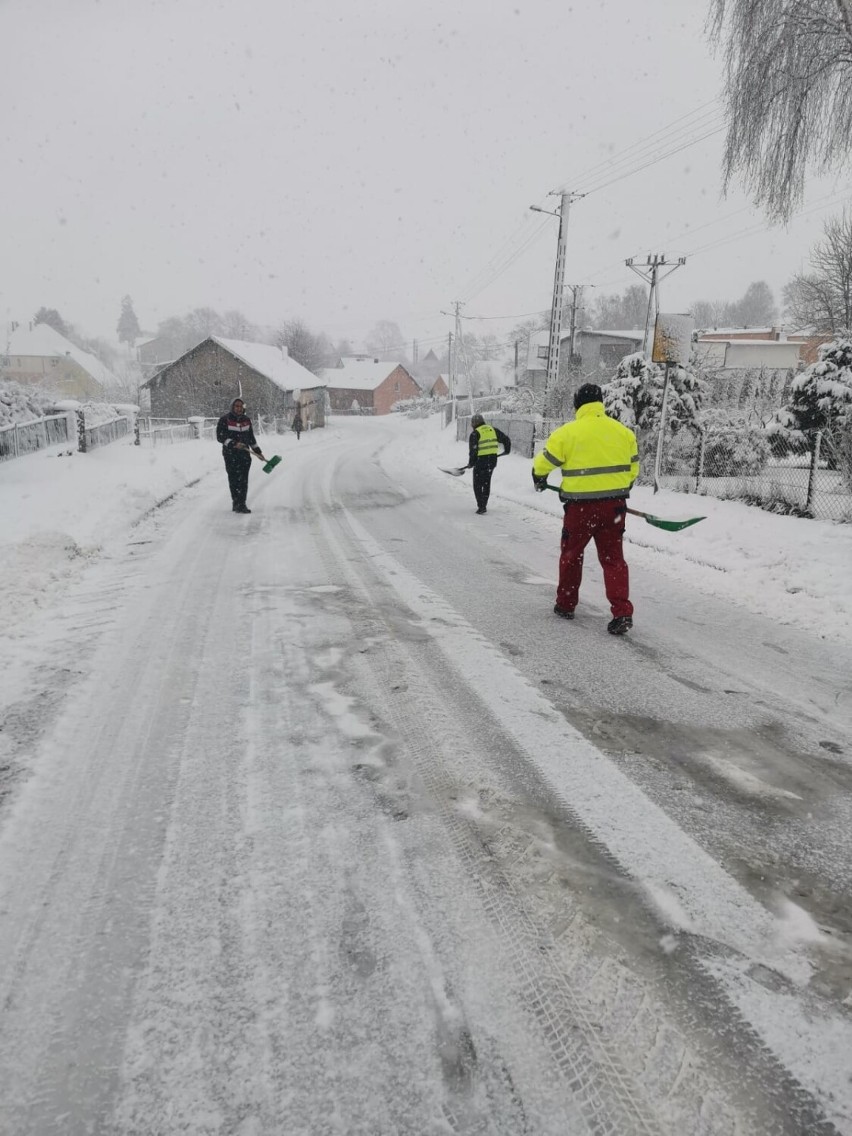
x=699, y=461
x=813, y=470
x=81, y=431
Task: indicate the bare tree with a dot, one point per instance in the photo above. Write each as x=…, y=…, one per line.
x=755, y=308
x=385, y=340
x=302, y=345
x=822, y=298
x=626, y=311
x=788, y=95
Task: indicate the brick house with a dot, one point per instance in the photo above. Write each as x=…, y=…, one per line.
x=37, y=355
x=440, y=388
x=206, y=379
x=368, y=384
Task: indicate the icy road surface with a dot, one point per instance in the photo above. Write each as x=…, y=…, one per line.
x=330, y=827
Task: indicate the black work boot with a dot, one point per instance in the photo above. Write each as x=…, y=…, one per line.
x=620, y=625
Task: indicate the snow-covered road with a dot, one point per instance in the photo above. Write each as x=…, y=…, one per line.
x=330, y=827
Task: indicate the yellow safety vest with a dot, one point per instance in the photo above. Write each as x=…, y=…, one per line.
x=487, y=445
x=597, y=456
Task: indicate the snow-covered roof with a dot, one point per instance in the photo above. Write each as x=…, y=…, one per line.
x=359, y=374
x=44, y=342
x=636, y=335
x=736, y=330
x=771, y=344
x=280, y=369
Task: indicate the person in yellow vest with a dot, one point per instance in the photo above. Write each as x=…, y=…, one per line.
x=483, y=444
x=598, y=459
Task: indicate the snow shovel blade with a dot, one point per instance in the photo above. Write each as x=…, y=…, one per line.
x=669, y=526
x=454, y=472
x=657, y=522
x=271, y=464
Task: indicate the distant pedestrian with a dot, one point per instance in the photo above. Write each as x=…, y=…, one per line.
x=599, y=461
x=297, y=424
x=482, y=449
x=234, y=431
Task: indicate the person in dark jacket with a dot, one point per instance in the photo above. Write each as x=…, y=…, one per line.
x=234, y=431
x=297, y=424
x=482, y=448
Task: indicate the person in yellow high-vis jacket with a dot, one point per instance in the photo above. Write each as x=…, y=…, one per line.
x=483, y=444
x=599, y=461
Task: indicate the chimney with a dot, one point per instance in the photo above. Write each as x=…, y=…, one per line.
x=285, y=351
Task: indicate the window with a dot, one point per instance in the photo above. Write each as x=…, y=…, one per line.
x=542, y=352
x=396, y=387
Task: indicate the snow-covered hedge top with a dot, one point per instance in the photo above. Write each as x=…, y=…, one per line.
x=21, y=404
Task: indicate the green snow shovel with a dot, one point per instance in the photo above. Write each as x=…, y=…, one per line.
x=657, y=522
x=270, y=464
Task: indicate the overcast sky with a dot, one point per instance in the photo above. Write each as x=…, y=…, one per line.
x=347, y=162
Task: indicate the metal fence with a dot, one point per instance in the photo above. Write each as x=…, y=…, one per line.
x=164, y=431
x=90, y=437
x=26, y=437
x=741, y=465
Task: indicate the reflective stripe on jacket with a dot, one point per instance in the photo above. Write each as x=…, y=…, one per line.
x=487, y=445
x=597, y=455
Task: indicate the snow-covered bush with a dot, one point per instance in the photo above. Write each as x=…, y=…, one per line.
x=22, y=404
x=416, y=407
x=821, y=396
x=519, y=400
x=733, y=445
x=736, y=453
x=635, y=394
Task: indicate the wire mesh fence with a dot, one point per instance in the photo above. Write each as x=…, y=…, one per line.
x=812, y=478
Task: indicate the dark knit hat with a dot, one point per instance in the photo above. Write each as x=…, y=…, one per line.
x=477, y=420
x=588, y=392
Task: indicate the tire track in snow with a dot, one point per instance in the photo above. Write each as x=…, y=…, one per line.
x=678, y=876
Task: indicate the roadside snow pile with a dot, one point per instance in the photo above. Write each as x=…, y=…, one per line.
x=20, y=404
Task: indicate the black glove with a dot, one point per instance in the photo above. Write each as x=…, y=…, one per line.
x=539, y=482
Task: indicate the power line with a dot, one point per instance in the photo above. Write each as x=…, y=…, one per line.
x=654, y=161
x=643, y=150
x=622, y=156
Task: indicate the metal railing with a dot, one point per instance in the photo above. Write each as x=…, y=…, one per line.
x=164, y=431
x=26, y=437
x=90, y=437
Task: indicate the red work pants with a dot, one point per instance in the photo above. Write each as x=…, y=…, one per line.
x=603, y=520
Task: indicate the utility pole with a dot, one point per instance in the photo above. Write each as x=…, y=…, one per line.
x=459, y=347
x=651, y=275
x=565, y=200
x=452, y=371
x=576, y=291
